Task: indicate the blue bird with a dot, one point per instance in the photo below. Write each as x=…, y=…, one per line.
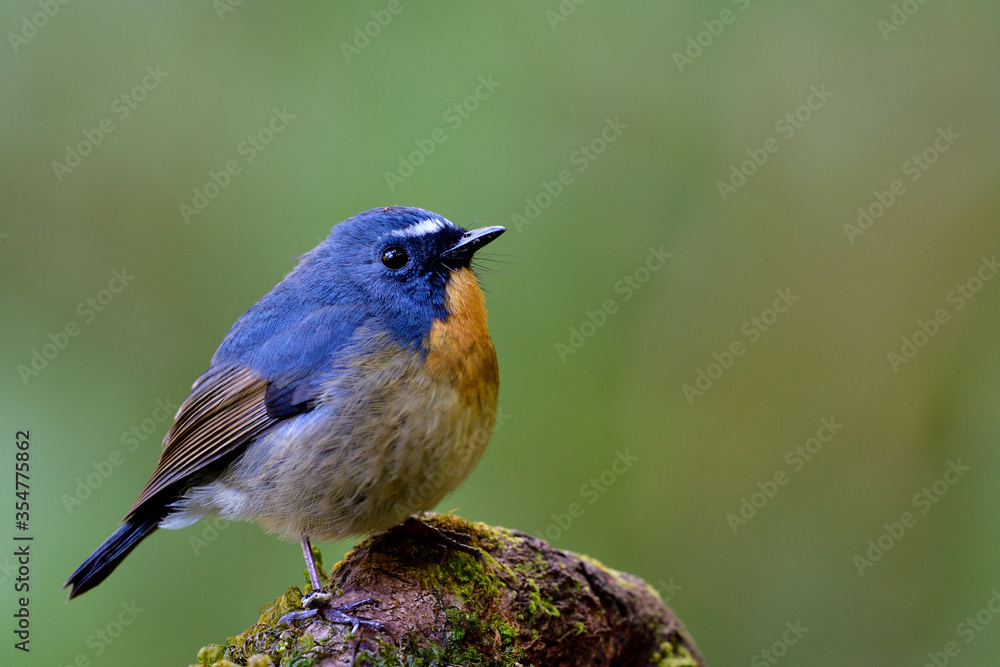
x=362, y=389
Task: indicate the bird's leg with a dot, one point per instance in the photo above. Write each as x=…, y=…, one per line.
x=318, y=596
x=307, y=554
x=318, y=600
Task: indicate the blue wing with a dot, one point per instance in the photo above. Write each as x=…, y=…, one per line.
x=291, y=350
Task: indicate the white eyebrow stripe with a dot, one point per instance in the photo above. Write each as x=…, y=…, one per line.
x=428, y=226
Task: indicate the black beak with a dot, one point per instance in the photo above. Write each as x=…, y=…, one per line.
x=472, y=241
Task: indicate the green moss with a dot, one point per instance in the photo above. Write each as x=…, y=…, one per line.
x=291, y=600
x=298, y=654
x=384, y=657
x=539, y=605
x=670, y=655
x=478, y=586
x=471, y=641
x=508, y=633
x=209, y=655
x=260, y=637
x=265, y=640
x=413, y=653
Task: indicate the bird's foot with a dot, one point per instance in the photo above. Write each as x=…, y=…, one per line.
x=449, y=539
x=339, y=614
x=317, y=598
x=342, y=615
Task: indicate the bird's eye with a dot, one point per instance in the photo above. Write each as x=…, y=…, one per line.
x=394, y=258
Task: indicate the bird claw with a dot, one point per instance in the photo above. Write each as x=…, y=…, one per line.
x=340, y=614
x=294, y=616
x=449, y=539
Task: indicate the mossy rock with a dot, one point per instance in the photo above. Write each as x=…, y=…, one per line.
x=524, y=603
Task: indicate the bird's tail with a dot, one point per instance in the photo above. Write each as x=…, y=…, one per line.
x=106, y=557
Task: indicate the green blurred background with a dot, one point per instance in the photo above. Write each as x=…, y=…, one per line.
x=555, y=85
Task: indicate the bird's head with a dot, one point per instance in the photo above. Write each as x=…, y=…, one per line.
x=407, y=263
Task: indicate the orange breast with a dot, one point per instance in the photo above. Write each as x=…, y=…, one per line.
x=460, y=348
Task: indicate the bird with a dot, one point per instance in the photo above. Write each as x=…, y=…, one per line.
x=361, y=390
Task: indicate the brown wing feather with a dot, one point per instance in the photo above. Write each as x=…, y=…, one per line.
x=225, y=410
